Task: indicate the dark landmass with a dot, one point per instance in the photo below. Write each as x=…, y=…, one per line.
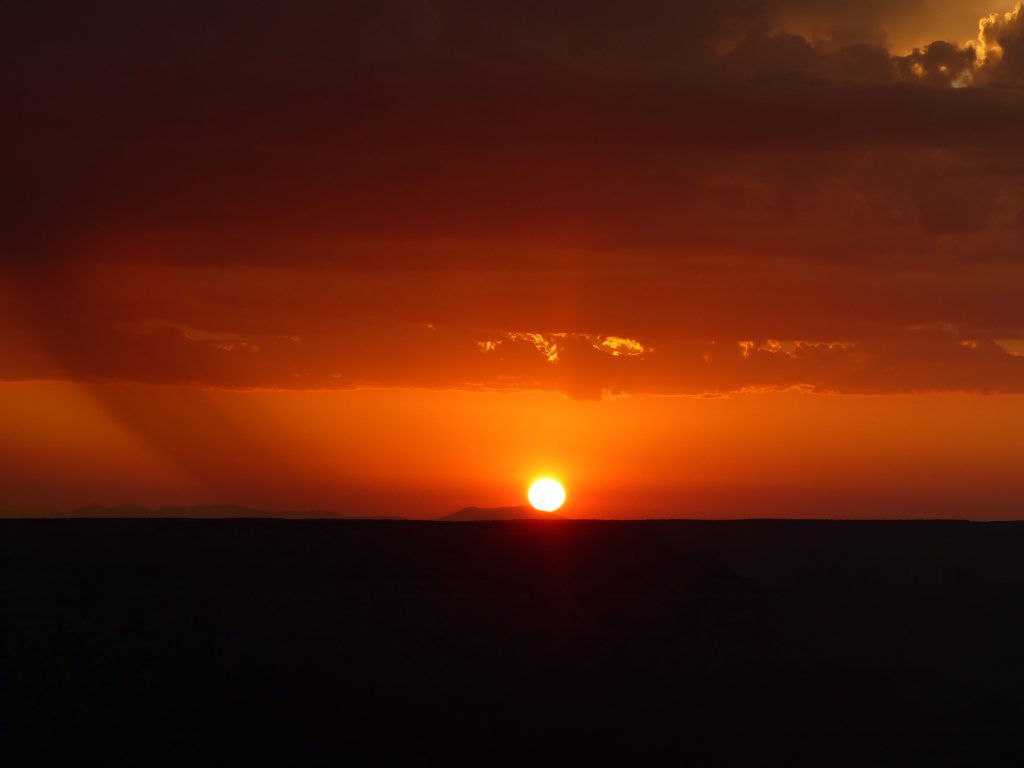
x=469, y=514
x=821, y=643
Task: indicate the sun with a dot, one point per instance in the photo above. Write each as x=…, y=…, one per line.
x=546, y=495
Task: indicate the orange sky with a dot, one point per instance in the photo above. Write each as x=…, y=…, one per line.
x=423, y=453
x=731, y=258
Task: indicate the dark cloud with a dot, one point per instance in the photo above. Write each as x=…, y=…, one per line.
x=940, y=64
x=581, y=365
x=781, y=57
x=1001, y=39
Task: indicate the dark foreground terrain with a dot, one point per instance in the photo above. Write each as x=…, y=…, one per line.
x=830, y=643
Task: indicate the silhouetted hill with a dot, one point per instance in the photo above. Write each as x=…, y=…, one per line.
x=524, y=512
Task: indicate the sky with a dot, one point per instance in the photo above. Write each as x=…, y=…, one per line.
x=697, y=259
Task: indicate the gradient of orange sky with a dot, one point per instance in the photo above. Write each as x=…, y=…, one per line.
x=730, y=258
x=424, y=453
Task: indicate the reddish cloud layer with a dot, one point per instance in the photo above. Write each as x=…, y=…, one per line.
x=361, y=194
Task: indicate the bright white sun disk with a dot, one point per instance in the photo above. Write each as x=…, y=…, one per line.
x=546, y=495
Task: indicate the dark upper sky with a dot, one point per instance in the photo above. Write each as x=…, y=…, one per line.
x=670, y=197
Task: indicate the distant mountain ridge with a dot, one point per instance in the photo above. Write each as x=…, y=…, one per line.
x=523, y=512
